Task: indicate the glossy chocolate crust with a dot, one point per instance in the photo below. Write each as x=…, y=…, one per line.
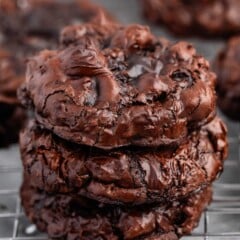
x=66, y=217
x=124, y=176
x=213, y=18
x=33, y=25
x=226, y=66
x=119, y=86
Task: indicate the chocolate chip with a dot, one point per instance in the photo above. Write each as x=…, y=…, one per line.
x=182, y=76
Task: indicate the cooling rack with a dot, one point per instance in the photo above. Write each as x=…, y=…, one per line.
x=221, y=221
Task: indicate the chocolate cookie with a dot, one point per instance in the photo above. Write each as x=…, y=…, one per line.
x=66, y=217
x=226, y=66
x=25, y=28
x=187, y=17
x=12, y=116
x=127, y=87
x=127, y=175
x=33, y=25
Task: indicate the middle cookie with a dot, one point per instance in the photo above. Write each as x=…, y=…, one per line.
x=125, y=175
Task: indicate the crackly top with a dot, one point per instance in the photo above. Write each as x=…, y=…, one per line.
x=111, y=85
x=206, y=17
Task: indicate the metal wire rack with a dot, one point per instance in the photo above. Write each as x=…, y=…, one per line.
x=220, y=221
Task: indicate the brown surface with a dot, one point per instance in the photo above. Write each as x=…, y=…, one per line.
x=125, y=88
x=63, y=216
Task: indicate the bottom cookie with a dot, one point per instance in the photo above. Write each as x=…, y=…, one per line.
x=66, y=217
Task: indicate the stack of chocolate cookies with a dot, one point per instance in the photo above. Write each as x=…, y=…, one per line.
x=124, y=143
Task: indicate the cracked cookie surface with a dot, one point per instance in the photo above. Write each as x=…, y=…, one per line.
x=63, y=216
x=112, y=86
x=127, y=175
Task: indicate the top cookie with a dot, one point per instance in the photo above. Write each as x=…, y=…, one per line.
x=205, y=17
x=112, y=85
x=33, y=25
x=226, y=65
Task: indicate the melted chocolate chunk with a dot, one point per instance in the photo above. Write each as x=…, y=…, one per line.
x=183, y=76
